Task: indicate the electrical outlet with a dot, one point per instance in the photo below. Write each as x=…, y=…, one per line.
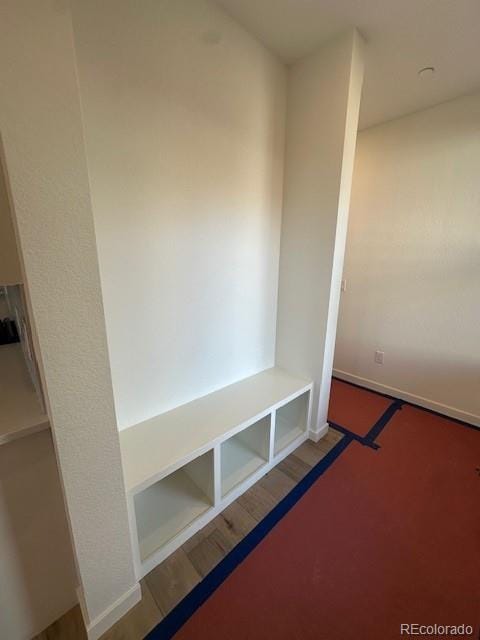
x=379, y=357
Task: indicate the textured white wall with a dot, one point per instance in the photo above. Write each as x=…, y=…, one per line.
x=40, y=123
x=37, y=571
x=322, y=114
x=413, y=259
x=184, y=121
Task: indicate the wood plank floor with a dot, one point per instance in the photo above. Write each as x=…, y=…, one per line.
x=168, y=583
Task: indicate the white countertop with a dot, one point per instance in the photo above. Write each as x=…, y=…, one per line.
x=153, y=448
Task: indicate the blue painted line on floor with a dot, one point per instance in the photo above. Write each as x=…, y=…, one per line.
x=382, y=422
x=462, y=423
x=361, y=439
x=174, y=620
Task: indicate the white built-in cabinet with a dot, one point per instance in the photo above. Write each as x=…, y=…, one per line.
x=185, y=466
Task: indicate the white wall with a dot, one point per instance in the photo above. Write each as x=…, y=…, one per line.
x=41, y=127
x=413, y=259
x=37, y=573
x=185, y=138
x=322, y=115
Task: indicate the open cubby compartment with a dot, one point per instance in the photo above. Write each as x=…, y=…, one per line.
x=291, y=421
x=244, y=453
x=170, y=505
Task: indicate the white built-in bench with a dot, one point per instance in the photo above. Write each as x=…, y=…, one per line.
x=185, y=466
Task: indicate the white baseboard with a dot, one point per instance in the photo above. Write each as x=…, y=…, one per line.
x=102, y=623
x=319, y=433
x=444, y=409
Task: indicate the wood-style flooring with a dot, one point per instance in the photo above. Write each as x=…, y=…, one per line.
x=167, y=584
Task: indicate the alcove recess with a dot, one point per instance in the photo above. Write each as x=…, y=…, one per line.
x=21, y=399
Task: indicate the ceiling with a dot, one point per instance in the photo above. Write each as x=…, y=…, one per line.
x=402, y=37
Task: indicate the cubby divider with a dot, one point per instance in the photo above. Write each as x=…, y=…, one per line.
x=291, y=422
x=244, y=453
x=169, y=505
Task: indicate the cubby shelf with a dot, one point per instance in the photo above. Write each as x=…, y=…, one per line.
x=171, y=504
x=184, y=466
x=243, y=454
x=239, y=462
x=291, y=422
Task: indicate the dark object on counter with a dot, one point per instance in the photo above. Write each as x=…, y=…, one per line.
x=8, y=332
